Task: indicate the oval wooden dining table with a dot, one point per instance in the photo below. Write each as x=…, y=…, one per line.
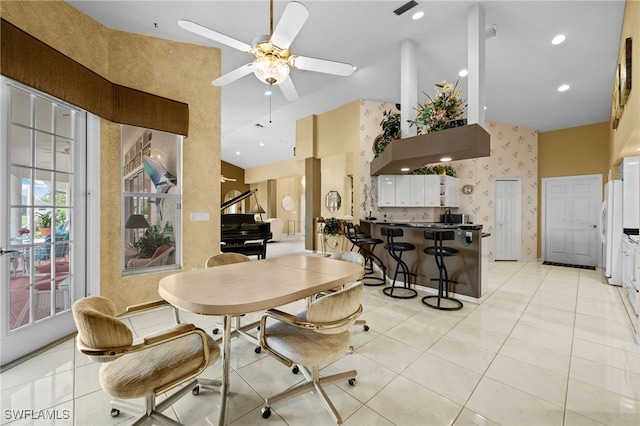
x=246, y=287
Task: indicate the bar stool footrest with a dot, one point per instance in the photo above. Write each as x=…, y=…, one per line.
x=427, y=300
x=400, y=292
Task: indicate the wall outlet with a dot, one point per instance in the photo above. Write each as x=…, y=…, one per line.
x=199, y=217
x=468, y=236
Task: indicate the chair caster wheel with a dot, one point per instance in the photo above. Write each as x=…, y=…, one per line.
x=114, y=412
x=258, y=350
x=295, y=369
x=195, y=391
x=216, y=331
x=352, y=382
x=366, y=327
x=266, y=412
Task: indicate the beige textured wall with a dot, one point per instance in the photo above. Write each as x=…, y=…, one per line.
x=625, y=140
x=513, y=154
x=149, y=64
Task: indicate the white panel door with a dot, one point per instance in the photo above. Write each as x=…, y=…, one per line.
x=417, y=190
x=403, y=190
x=386, y=191
x=432, y=191
x=507, y=229
x=571, y=210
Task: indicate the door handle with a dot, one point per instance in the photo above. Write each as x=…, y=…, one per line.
x=3, y=251
x=594, y=226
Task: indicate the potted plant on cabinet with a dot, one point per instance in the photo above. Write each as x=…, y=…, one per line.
x=153, y=238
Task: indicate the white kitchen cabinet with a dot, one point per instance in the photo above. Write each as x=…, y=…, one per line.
x=418, y=191
x=403, y=190
x=431, y=190
x=386, y=191
x=449, y=191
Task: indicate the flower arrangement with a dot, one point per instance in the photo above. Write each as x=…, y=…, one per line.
x=435, y=114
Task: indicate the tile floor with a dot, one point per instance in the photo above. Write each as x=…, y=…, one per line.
x=548, y=346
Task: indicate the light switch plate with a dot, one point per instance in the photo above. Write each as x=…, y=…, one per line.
x=199, y=217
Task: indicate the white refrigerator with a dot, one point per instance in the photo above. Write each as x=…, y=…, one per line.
x=611, y=231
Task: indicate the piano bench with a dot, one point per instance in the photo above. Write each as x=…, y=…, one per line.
x=248, y=249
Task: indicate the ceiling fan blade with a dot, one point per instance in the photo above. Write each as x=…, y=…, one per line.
x=289, y=90
x=234, y=75
x=290, y=24
x=213, y=35
x=321, y=65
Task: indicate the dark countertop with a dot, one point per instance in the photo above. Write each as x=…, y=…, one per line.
x=470, y=226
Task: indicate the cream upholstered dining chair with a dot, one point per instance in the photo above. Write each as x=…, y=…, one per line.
x=318, y=336
x=239, y=330
x=146, y=367
x=358, y=259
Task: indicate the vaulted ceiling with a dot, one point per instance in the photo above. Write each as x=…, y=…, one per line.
x=523, y=68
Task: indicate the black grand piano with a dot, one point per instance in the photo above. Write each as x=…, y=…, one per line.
x=241, y=233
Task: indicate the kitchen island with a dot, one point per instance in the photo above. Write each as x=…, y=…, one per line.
x=468, y=269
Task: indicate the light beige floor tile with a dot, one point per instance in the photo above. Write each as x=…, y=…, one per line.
x=486, y=339
x=462, y=353
x=45, y=392
x=544, y=384
x=469, y=418
x=602, y=308
x=612, y=379
x=95, y=409
x=444, y=377
x=366, y=416
x=554, y=360
x=390, y=353
x=87, y=379
x=542, y=337
x=414, y=334
x=407, y=403
x=603, y=406
x=371, y=378
x=574, y=419
x=269, y=376
x=506, y=405
x=608, y=355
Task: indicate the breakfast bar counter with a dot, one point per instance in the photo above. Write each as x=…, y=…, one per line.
x=468, y=269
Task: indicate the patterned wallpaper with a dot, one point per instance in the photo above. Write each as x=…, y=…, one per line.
x=514, y=154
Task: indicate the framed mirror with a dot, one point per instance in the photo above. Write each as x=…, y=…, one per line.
x=333, y=201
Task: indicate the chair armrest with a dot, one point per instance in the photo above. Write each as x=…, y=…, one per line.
x=146, y=306
x=166, y=335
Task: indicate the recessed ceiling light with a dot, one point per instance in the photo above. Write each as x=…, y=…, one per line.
x=237, y=152
x=463, y=73
x=417, y=15
x=485, y=108
x=558, y=39
x=261, y=143
x=445, y=159
x=268, y=92
x=405, y=169
x=563, y=88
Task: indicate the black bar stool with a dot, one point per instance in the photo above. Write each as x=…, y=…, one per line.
x=395, y=249
x=366, y=244
x=439, y=251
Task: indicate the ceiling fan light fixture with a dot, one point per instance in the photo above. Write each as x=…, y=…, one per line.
x=271, y=70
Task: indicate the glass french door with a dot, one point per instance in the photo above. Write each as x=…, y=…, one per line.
x=42, y=218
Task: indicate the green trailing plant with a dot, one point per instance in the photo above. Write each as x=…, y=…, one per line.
x=438, y=169
x=391, y=131
x=153, y=238
x=332, y=226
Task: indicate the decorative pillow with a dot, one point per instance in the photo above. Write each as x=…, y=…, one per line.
x=160, y=250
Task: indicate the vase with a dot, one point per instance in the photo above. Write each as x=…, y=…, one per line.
x=455, y=123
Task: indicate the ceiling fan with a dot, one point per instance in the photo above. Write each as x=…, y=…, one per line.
x=273, y=59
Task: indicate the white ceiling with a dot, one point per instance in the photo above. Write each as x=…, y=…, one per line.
x=523, y=68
